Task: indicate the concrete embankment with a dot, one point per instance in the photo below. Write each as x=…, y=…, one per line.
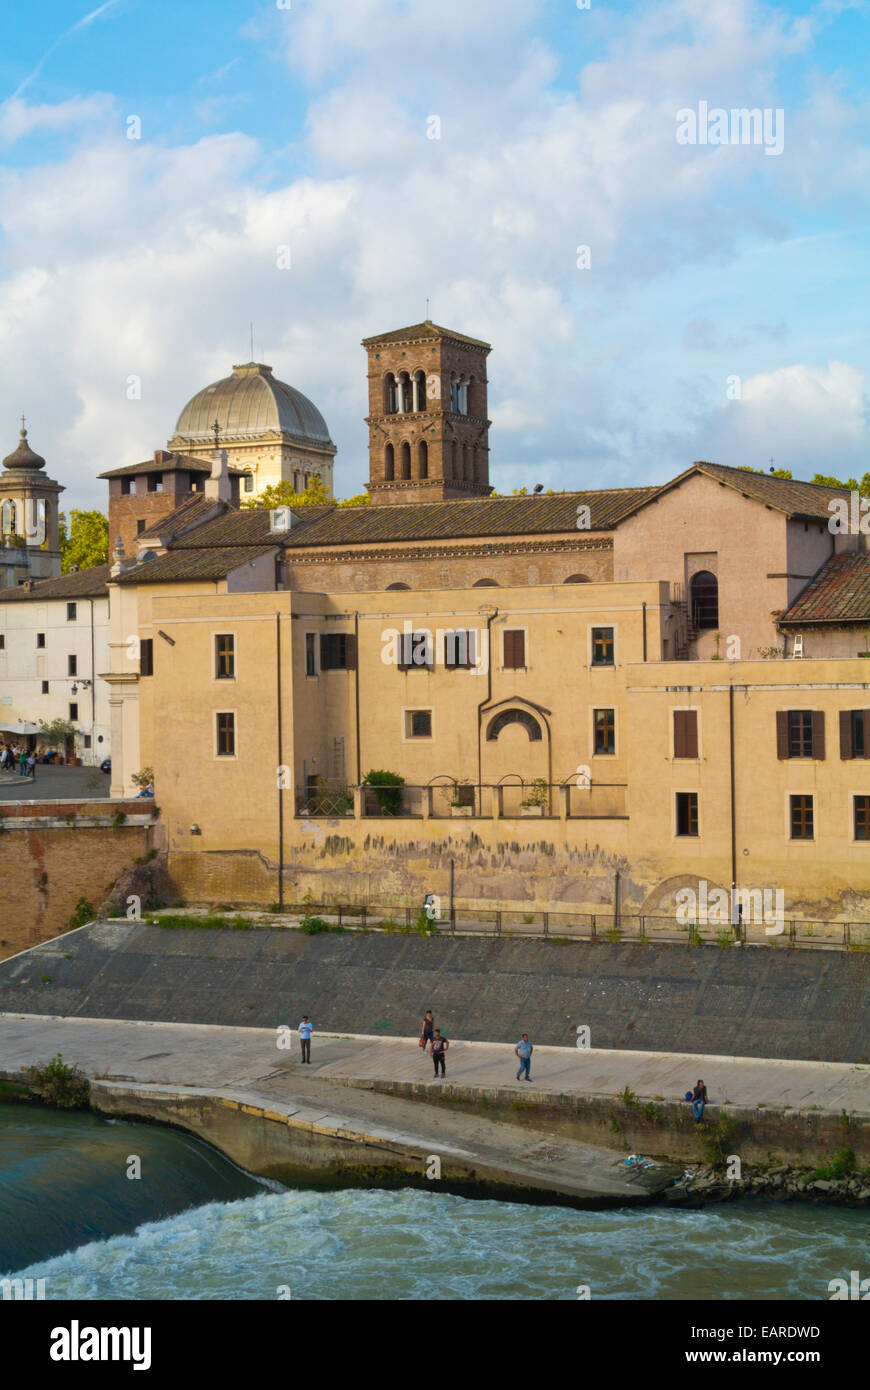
x=368, y=1109
x=643, y=997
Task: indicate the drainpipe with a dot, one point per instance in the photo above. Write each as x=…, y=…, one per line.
x=93, y=689
x=643, y=606
x=485, y=701
x=733, y=806
x=280, y=765
x=356, y=696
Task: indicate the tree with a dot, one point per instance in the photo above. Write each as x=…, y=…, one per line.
x=86, y=543
x=315, y=495
x=851, y=484
x=773, y=473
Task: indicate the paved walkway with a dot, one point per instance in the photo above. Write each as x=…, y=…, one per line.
x=55, y=784
x=198, y=1054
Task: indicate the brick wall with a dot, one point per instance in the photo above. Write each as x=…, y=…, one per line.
x=45, y=867
x=508, y=562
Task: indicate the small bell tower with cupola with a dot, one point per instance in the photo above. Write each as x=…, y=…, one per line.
x=28, y=517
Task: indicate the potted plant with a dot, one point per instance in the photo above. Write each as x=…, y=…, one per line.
x=463, y=800
x=537, y=799
x=387, y=789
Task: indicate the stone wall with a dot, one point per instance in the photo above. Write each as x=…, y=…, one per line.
x=52, y=854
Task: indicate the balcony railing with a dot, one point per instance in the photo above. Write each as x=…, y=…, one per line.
x=513, y=798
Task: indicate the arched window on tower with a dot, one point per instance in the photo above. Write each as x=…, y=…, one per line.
x=422, y=459
x=704, y=608
x=419, y=391
x=390, y=394
x=404, y=387
x=405, y=457
x=389, y=464
x=7, y=513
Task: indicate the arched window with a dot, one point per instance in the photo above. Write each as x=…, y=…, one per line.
x=405, y=456
x=419, y=391
x=515, y=716
x=576, y=579
x=397, y=586
x=422, y=459
x=704, y=609
x=485, y=584
x=7, y=512
x=389, y=464
x=404, y=389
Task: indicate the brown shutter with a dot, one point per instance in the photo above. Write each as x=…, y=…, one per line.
x=515, y=649
x=509, y=651
x=324, y=652
x=782, y=733
x=846, y=749
x=818, y=733
x=692, y=733
x=680, y=734
x=350, y=652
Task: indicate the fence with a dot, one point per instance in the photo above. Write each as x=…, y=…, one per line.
x=515, y=797
x=588, y=926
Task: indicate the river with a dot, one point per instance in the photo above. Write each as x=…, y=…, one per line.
x=194, y=1227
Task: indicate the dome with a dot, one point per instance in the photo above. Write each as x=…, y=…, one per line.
x=23, y=457
x=247, y=405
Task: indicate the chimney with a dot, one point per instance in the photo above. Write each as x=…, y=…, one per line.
x=218, y=487
x=118, y=559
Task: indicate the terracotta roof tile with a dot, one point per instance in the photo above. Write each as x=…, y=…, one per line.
x=839, y=593
x=90, y=583
x=214, y=563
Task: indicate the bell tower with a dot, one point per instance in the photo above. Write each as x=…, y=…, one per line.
x=427, y=420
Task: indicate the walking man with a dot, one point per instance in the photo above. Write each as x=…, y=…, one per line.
x=438, y=1048
x=31, y=765
x=524, y=1051
x=306, y=1028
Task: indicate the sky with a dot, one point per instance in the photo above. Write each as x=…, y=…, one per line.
x=524, y=165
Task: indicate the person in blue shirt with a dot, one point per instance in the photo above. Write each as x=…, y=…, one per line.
x=524, y=1051
x=306, y=1028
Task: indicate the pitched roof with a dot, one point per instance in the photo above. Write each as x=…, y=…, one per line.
x=171, y=462
x=490, y=516
x=839, y=593
x=247, y=526
x=183, y=515
x=213, y=563
x=804, y=501
x=427, y=329
x=90, y=583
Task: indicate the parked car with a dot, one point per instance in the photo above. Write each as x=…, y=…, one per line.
x=106, y=765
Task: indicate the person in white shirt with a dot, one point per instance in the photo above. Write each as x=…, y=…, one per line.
x=306, y=1028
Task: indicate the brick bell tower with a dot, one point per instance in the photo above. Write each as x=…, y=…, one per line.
x=428, y=427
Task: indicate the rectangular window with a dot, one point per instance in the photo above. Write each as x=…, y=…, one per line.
x=861, y=811
x=2, y=642
x=40, y=639
x=146, y=656
x=73, y=713
x=459, y=650
x=605, y=731
x=687, y=813
x=801, y=817
x=418, y=723
x=45, y=687
x=416, y=651
x=855, y=733
x=128, y=487
x=602, y=646
x=87, y=738
x=155, y=482
x=140, y=526
x=71, y=612
x=514, y=649
x=337, y=651
x=72, y=665
x=800, y=733
x=311, y=653
x=226, y=735
x=224, y=656
x=249, y=482
x=685, y=733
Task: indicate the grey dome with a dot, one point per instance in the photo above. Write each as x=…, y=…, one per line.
x=23, y=457
x=248, y=404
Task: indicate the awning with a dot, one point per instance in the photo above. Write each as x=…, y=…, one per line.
x=22, y=728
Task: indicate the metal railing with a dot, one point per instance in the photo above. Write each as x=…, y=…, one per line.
x=513, y=797
x=586, y=926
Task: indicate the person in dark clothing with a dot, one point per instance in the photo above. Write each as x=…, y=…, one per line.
x=699, y=1100
x=428, y=1029
x=438, y=1047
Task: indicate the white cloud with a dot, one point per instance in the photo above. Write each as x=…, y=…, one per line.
x=19, y=118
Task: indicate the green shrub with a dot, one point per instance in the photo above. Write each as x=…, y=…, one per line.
x=387, y=787
x=842, y=1165
x=58, y=1084
x=83, y=912
x=719, y=1141
x=314, y=926
x=118, y=819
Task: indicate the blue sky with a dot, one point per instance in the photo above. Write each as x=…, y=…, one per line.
x=307, y=127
